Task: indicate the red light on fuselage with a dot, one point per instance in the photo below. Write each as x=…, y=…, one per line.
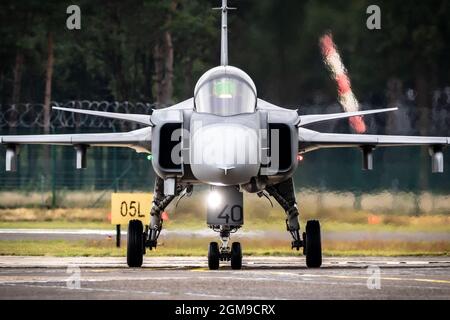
x=165, y=216
x=299, y=157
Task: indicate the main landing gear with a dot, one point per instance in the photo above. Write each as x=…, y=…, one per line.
x=284, y=194
x=138, y=238
x=225, y=215
x=135, y=243
x=312, y=246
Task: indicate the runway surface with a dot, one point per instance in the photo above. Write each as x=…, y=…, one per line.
x=84, y=234
x=188, y=278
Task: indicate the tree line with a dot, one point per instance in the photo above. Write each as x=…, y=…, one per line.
x=155, y=50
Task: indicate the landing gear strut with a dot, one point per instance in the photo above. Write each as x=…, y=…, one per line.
x=160, y=202
x=284, y=194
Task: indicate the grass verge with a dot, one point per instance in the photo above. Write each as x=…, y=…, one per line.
x=410, y=225
x=256, y=219
x=198, y=247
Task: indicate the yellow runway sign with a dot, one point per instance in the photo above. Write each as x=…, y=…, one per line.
x=130, y=206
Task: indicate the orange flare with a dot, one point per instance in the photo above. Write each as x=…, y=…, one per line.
x=373, y=219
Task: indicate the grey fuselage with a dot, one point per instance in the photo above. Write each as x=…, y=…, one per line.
x=249, y=149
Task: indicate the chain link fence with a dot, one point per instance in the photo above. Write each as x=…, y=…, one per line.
x=31, y=115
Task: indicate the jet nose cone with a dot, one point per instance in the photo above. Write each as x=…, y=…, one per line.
x=224, y=154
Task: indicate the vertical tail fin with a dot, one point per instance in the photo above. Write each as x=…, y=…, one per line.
x=224, y=33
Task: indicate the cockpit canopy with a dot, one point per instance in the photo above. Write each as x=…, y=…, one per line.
x=225, y=91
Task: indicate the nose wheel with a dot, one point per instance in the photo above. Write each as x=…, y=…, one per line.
x=213, y=256
x=216, y=254
x=236, y=256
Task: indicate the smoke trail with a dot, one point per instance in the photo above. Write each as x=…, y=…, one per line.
x=346, y=98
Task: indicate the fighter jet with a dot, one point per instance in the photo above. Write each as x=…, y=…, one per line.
x=229, y=139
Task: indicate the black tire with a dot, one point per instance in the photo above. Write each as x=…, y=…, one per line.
x=135, y=245
x=313, y=244
x=213, y=256
x=236, y=256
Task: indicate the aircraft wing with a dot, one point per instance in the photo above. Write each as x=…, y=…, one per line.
x=330, y=140
x=139, y=140
x=138, y=118
x=310, y=140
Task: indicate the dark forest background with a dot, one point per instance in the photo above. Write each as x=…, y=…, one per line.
x=154, y=51
x=136, y=50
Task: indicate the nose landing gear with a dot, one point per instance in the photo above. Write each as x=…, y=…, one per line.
x=236, y=256
x=224, y=252
x=225, y=216
x=213, y=256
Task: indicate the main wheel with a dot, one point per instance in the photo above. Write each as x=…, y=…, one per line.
x=213, y=256
x=135, y=245
x=313, y=244
x=236, y=256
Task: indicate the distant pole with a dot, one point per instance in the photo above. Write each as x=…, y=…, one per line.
x=115, y=168
x=53, y=181
x=118, y=235
x=47, y=99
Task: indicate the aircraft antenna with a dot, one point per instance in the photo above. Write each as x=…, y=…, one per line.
x=224, y=33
